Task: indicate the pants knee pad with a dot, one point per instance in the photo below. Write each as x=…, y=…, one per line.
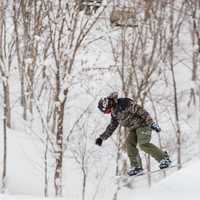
x=143, y=146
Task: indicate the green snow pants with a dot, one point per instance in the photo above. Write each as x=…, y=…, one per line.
x=142, y=137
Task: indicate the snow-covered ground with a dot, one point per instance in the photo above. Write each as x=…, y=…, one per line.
x=183, y=184
x=10, y=197
x=93, y=78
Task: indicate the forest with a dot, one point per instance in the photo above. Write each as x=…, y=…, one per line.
x=58, y=58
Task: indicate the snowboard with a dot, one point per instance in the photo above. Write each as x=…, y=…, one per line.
x=125, y=179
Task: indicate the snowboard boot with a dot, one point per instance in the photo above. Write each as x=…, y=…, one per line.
x=135, y=171
x=165, y=162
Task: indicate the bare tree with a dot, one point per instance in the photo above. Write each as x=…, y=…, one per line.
x=82, y=148
x=67, y=31
x=6, y=56
x=22, y=13
x=192, y=10
x=82, y=155
x=176, y=108
x=28, y=25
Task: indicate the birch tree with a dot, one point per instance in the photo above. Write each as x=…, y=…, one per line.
x=6, y=57
x=67, y=28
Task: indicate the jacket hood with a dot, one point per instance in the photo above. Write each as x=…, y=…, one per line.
x=114, y=96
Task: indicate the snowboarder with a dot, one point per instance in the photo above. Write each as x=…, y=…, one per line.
x=125, y=112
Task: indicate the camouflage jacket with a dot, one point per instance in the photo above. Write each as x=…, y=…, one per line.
x=127, y=114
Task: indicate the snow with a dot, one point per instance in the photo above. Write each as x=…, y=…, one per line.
x=14, y=197
x=25, y=164
x=93, y=78
x=183, y=184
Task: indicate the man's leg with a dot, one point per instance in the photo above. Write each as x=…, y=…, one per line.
x=133, y=153
x=144, y=137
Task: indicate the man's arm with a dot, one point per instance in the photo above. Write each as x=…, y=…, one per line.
x=138, y=110
x=110, y=128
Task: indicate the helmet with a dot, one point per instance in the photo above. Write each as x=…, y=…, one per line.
x=105, y=104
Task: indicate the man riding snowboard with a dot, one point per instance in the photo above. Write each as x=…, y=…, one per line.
x=127, y=113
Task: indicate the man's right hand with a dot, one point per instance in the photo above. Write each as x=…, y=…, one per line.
x=99, y=141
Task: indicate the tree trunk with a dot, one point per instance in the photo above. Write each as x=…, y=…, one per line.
x=195, y=39
x=148, y=161
x=199, y=123
x=84, y=183
x=59, y=153
x=46, y=168
x=5, y=140
x=7, y=109
x=176, y=110
x=117, y=169
x=26, y=76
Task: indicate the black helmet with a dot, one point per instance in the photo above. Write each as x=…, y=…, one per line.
x=105, y=104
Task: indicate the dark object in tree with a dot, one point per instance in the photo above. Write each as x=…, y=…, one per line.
x=148, y=6
x=89, y=6
x=123, y=17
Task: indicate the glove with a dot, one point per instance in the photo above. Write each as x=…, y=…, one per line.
x=155, y=127
x=98, y=141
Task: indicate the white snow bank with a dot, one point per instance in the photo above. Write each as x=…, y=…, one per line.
x=25, y=169
x=10, y=197
x=183, y=184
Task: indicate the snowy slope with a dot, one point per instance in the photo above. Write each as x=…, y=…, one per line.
x=25, y=164
x=183, y=184
x=10, y=197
